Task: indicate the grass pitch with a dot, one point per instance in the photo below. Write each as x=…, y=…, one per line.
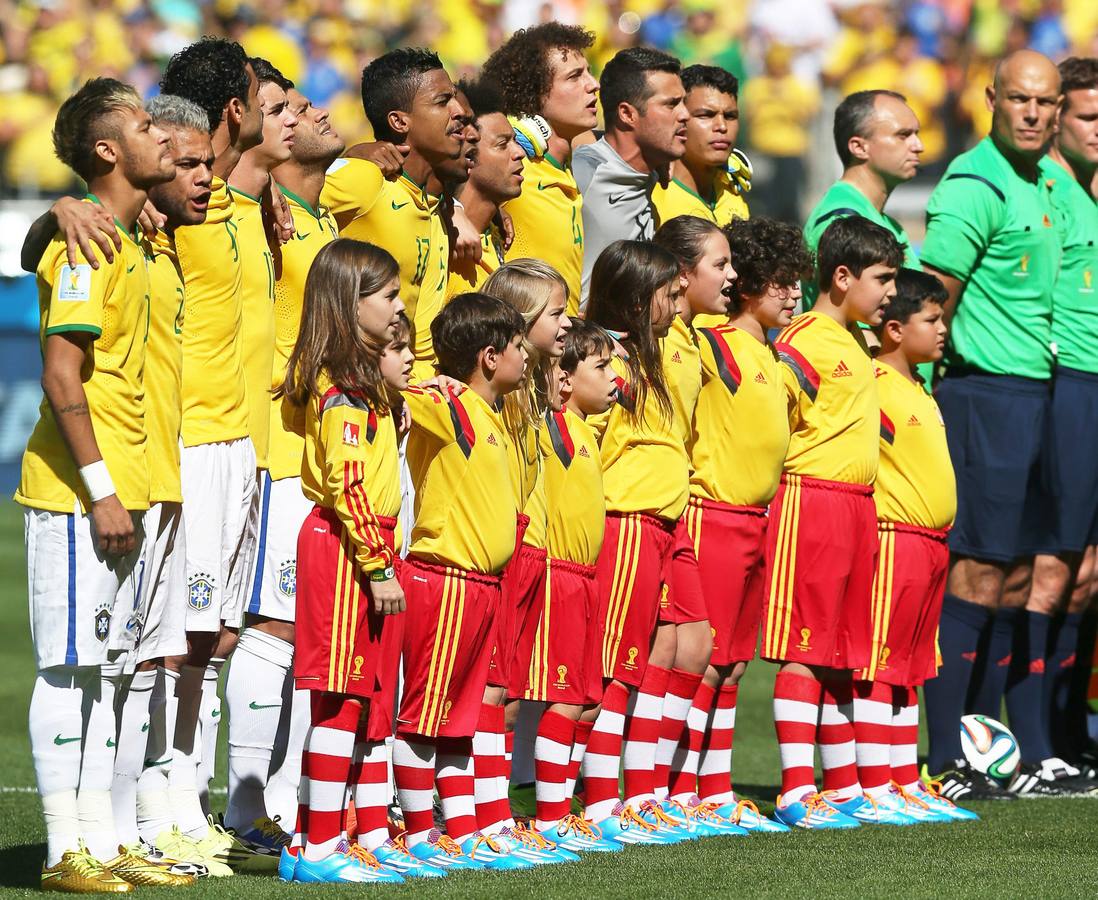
x=1035, y=848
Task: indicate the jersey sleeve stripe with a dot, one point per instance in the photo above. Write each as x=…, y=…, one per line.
x=888, y=430
x=994, y=189
x=562, y=440
x=727, y=368
x=807, y=377
x=463, y=428
x=843, y=211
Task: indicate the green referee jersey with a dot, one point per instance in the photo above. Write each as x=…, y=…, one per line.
x=995, y=231
x=1074, y=302
x=842, y=200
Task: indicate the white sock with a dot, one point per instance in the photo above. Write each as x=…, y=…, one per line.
x=280, y=797
x=93, y=797
x=129, y=756
x=371, y=790
x=56, y=726
x=253, y=695
x=154, y=808
x=187, y=750
x=210, y=718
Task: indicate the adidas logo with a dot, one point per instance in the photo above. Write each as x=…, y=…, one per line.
x=583, y=452
x=914, y=420
x=760, y=378
x=492, y=439
x=675, y=358
x=842, y=370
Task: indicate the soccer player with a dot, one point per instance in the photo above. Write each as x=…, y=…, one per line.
x=265, y=652
x=495, y=178
x=991, y=238
x=821, y=543
x=460, y=543
x=348, y=594
x=737, y=447
x=916, y=498
x=218, y=459
x=634, y=288
x=542, y=71
x=1070, y=523
x=877, y=139
x=642, y=102
x=409, y=100
x=702, y=183
x=565, y=669
x=85, y=485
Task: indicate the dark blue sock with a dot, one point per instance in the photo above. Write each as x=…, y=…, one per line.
x=1025, y=687
x=958, y=634
x=987, y=698
x=1059, y=671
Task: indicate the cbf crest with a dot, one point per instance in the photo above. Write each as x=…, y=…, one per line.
x=287, y=578
x=103, y=622
x=200, y=590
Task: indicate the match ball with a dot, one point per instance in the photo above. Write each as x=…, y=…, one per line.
x=990, y=747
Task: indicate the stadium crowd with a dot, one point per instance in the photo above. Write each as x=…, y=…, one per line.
x=521, y=400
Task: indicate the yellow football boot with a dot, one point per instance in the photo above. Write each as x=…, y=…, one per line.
x=81, y=873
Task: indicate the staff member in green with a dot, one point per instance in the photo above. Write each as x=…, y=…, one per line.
x=1070, y=521
x=877, y=138
x=991, y=238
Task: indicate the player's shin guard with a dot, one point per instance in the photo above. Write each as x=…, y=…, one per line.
x=129, y=757
x=154, y=809
x=1025, y=687
x=454, y=780
x=686, y=761
x=642, y=732
x=873, y=736
x=328, y=751
x=93, y=799
x=552, y=753
x=681, y=688
x=187, y=751
x=414, y=774
x=797, y=701
x=211, y=726
x=903, y=757
x=602, y=760
x=835, y=736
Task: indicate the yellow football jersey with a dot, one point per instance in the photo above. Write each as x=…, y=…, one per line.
x=915, y=483
x=834, y=416
x=258, y=280
x=110, y=303
x=313, y=230
x=215, y=398
x=351, y=465
x=459, y=461
x=164, y=370
x=573, y=488
x=644, y=462
x=548, y=223
x=404, y=219
x=678, y=200
x=682, y=364
x=536, y=510
x=467, y=276
x=741, y=428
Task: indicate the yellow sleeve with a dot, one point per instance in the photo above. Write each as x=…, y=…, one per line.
x=793, y=396
x=348, y=429
x=77, y=293
x=351, y=188
x=430, y=412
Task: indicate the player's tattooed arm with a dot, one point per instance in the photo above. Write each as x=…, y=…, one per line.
x=82, y=225
x=63, y=359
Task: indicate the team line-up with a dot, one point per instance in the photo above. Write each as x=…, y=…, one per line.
x=489, y=411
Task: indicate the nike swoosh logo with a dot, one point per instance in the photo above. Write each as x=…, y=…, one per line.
x=145, y=727
x=254, y=705
x=541, y=186
x=60, y=740
x=302, y=237
x=215, y=714
x=400, y=205
x=111, y=743
x=131, y=268
x=149, y=763
x=616, y=199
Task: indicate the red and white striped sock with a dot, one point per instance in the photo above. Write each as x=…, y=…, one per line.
x=681, y=688
x=873, y=736
x=602, y=760
x=835, y=735
x=371, y=791
x=414, y=774
x=715, y=760
x=684, y=765
x=903, y=757
x=454, y=780
x=504, y=816
x=488, y=764
x=579, y=748
x=552, y=754
x=642, y=733
x=796, y=711
x=329, y=748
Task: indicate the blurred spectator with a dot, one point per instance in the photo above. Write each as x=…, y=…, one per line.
x=868, y=34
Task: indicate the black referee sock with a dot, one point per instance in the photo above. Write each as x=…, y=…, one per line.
x=993, y=666
x=1025, y=686
x=958, y=635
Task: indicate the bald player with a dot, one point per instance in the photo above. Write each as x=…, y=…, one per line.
x=992, y=239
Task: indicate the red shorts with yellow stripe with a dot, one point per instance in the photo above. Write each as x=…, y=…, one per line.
x=633, y=567
x=821, y=551
x=341, y=645
x=565, y=660
x=682, y=599
x=906, y=604
x=448, y=632
x=730, y=543
x=519, y=612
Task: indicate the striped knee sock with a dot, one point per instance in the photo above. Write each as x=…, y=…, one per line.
x=715, y=760
x=328, y=752
x=454, y=780
x=490, y=764
x=371, y=790
x=903, y=753
x=552, y=756
x=873, y=736
x=579, y=748
x=684, y=765
x=602, y=761
x=835, y=735
x=797, y=701
x=681, y=688
x=642, y=733
x=414, y=774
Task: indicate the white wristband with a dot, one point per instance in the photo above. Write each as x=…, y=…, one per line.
x=97, y=480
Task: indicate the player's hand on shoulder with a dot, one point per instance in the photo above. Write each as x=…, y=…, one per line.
x=386, y=156
x=388, y=596
x=465, y=239
x=278, y=221
x=506, y=228
x=151, y=219
x=82, y=225
x=114, y=532
x=444, y=383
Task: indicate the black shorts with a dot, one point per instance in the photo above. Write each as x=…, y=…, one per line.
x=995, y=428
x=1068, y=520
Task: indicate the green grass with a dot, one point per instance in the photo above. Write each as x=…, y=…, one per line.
x=1038, y=848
